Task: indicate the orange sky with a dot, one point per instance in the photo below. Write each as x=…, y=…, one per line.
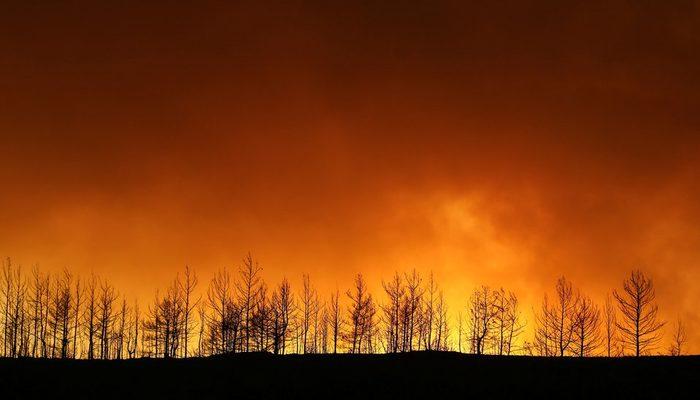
x=497, y=144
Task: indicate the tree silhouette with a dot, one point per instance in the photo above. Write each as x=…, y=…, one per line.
x=411, y=312
x=261, y=320
x=309, y=312
x=39, y=312
x=482, y=313
x=132, y=340
x=224, y=319
x=429, y=316
x=563, y=315
x=62, y=308
x=442, y=328
x=91, y=316
x=679, y=339
x=395, y=292
x=360, y=315
x=12, y=290
x=639, y=327
x=120, y=332
x=586, y=327
x=62, y=316
x=105, y=314
x=336, y=319
x=460, y=332
x=507, y=321
x=610, y=327
x=77, y=317
x=282, y=306
x=187, y=288
x=247, y=289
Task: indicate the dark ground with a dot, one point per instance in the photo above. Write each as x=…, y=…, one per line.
x=414, y=375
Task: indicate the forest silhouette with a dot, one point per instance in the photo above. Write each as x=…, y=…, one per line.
x=65, y=335
x=66, y=316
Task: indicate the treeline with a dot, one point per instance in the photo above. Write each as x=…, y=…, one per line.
x=64, y=316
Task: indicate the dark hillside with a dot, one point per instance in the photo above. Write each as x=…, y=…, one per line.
x=413, y=375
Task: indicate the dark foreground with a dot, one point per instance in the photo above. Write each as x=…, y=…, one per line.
x=416, y=375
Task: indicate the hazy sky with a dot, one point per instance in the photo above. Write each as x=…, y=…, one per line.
x=501, y=144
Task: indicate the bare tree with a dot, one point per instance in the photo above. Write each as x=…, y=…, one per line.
x=507, y=321
x=395, y=291
x=336, y=319
x=586, y=328
x=105, y=312
x=640, y=328
x=187, y=288
x=482, y=311
x=46, y=329
x=370, y=329
x=39, y=312
x=224, y=319
x=120, y=333
x=77, y=304
x=63, y=310
x=260, y=323
x=679, y=339
x=7, y=297
x=91, y=316
x=15, y=328
x=282, y=306
x=247, y=289
x=165, y=322
x=441, y=327
x=563, y=314
x=460, y=332
x=555, y=322
x=360, y=313
x=170, y=311
x=132, y=340
x=544, y=342
x=54, y=314
x=410, y=311
x=201, y=310
x=324, y=329
x=610, y=327
x=151, y=328
x=430, y=300
x=309, y=309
